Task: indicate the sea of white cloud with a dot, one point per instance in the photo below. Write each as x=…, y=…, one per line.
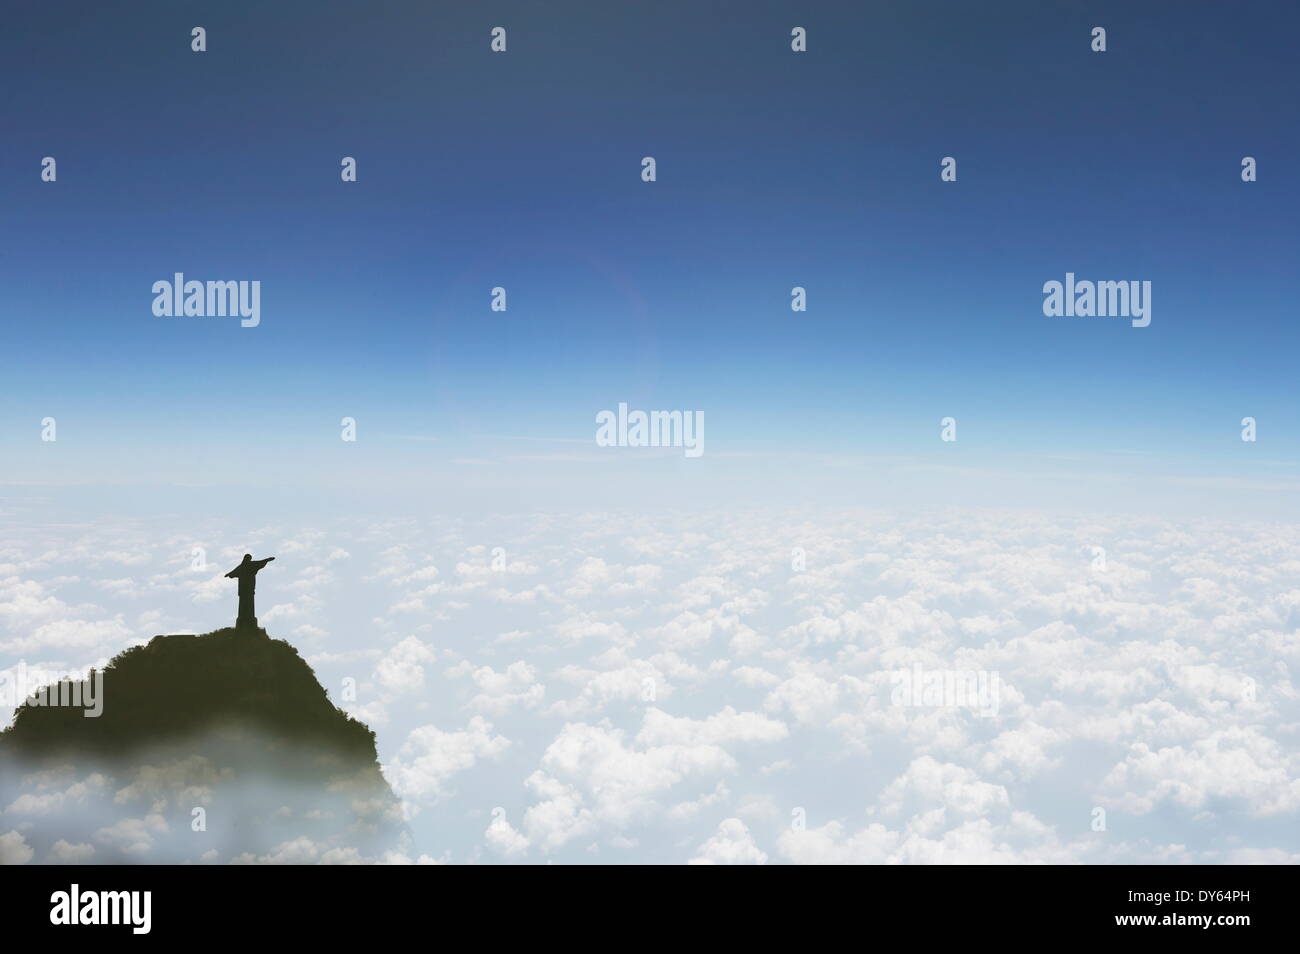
x=694, y=688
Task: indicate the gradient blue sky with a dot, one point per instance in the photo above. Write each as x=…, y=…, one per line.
x=775, y=169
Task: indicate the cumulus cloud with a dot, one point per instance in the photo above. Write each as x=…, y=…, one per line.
x=66, y=853
x=684, y=687
x=14, y=849
x=430, y=757
x=503, y=840
x=731, y=844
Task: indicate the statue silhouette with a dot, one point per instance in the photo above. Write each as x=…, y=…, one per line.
x=246, y=574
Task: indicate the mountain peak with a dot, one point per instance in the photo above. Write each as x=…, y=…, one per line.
x=178, y=685
x=227, y=744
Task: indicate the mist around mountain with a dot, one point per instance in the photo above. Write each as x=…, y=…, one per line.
x=209, y=749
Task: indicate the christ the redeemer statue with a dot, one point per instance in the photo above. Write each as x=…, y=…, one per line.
x=246, y=574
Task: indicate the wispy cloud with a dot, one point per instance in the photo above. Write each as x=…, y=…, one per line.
x=553, y=440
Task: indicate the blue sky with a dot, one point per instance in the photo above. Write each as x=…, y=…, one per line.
x=775, y=169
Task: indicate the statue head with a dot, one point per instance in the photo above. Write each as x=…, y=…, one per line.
x=248, y=557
